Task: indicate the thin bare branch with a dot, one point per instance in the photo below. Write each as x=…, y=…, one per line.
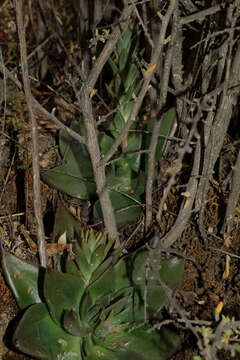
x=233, y=199
x=221, y=120
x=44, y=112
x=88, y=118
x=186, y=208
x=200, y=15
x=99, y=171
x=3, y=90
x=157, y=125
x=139, y=99
x=52, y=117
x=108, y=48
x=35, y=153
x=148, y=37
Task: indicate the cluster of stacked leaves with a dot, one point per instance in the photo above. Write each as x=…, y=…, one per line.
x=96, y=304
x=125, y=176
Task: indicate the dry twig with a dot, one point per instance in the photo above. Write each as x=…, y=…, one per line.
x=220, y=118
x=35, y=154
x=233, y=199
x=162, y=101
x=92, y=140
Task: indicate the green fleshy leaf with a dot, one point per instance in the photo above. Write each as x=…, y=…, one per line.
x=92, y=241
x=69, y=179
x=90, y=251
x=156, y=299
x=114, y=309
x=103, y=268
x=124, y=43
x=75, y=327
x=138, y=184
x=111, y=93
x=114, y=67
x=125, y=109
x=137, y=88
x=22, y=277
x=74, y=153
x=89, y=312
x=125, y=208
x=105, y=143
x=118, y=86
x=134, y=145
x=111, y=276
x=37, y=335
x=168, y=119
x=123, y=59
x=110, y=334
x=102, y=280
x=172, y=271
x=97, y=257
x=117, y=125
x=71, y=267
x=87, y=244
x=62, y=292
x=128, y=98
x=65, y=223
x=96, y=352
x=83, y=265
x=128, y=354
x=121, y=179
x=136, y=264
x=75, y=177
x=140, y=280
x=134, y=161
x=155, y=345
x=132, y=76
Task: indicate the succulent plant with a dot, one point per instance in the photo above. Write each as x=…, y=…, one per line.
x=125, y=177
x=97, y=304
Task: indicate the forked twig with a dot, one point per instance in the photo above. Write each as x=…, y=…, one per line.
x=85, y=103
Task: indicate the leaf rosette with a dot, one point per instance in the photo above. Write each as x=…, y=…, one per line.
x=93, y=305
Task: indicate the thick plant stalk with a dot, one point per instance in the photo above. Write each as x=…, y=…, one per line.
x=35, y=155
